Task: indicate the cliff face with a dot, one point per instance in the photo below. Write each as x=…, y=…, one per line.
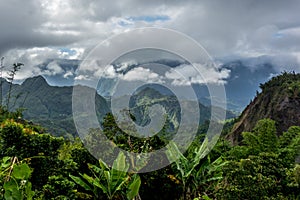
x=279, y=100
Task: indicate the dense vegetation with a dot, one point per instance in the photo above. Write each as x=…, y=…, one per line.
x=37, y=165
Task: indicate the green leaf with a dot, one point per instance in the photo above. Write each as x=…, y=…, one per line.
x=21, y=171
x=205, y=197
x=88, y=178
x=120, y=184
x=80, y=182
x=28, y=191
x=173, y=152
x=103, y=165
x=95, y=168
x=12, y=191
x=5, y=162
x=10, y=185
x=15, y=195
x=98, y=184
x=120, y=163
x=134, y=187
x=118, y=173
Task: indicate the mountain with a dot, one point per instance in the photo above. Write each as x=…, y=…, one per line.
x=241, y=86
x=49, y=106
x=153, y=94
x=279, y=100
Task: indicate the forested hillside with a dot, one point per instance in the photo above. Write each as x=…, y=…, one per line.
x=279, y=100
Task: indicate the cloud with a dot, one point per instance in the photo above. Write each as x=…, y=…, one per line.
x=134, y=74
x=107, y=72
x=68, y=74
x=283, y=62
x=149, y=18
x=224, y=28
x=197, y=74
x=183, y=75
x=142, y=74
x=53, y=69
x=33, y=57
x=82, y=77
x=123, y=66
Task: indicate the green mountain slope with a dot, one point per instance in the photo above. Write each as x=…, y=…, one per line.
x=49, y=106
x=142, y=101
x=279, y=100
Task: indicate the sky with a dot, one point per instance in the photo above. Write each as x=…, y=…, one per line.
x=36, y=30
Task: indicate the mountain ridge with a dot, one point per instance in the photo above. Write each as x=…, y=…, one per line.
x=245, y=77
x=51, y=106
x=279, y=101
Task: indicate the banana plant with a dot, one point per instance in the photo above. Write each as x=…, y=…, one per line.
x=111, y=181
x=209, y=173
x=188, y=175
x=184, y=165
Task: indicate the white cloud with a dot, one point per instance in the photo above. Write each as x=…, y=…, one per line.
x=197, y=73
x=68, y=74
x=107, y=72
x=135, y=74
x=182, y=75
x=142, y=74
x=35, y=56
x=53, y=69
x=82, y=77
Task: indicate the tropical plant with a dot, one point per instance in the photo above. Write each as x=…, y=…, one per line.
x=112, y=182
x=41, y=150
x=264, y=168
x=192, y=173
x=14, y=178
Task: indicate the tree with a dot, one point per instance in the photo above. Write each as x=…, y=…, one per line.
x=264, y=167
x=25, y=142
x=11, y=76
x=1, y=70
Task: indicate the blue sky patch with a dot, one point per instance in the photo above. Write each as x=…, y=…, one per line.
x=71, y=52
x=149, y=18
x=278, y=35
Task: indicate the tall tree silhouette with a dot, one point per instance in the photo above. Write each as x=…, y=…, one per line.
x=11, y=76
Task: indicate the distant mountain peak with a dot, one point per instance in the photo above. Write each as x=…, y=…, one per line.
x=37, y=81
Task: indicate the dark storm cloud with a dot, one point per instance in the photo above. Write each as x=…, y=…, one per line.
x=19, y=25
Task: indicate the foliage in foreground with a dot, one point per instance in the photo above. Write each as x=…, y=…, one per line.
x=114, y=182
x=265, y=167
x=47, y=167
x=14, y=179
